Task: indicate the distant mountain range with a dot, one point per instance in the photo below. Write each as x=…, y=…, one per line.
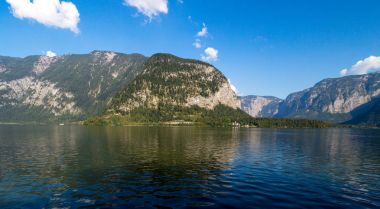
x=351, y=99
x=77, y=86
x=173, y=90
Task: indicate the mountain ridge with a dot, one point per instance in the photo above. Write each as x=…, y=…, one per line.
x=76, y=86
x=331, y=99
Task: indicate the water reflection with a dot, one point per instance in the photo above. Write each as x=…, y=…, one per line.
x=75, y=166
x=100, y=164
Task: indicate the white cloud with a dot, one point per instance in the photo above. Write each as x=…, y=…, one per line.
x=47, y=12
x=211, y=54
x=197, y=44
x=233, y=87
x=149, y=8
x=369, y=64
x=50, y=54
x=203, y=32
x=344, y=72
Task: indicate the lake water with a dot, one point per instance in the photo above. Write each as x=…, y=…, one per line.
x=188, y=167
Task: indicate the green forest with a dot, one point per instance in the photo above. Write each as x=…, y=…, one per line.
x=220, y=116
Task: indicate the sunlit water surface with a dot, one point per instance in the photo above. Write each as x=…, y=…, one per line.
x=187, y=167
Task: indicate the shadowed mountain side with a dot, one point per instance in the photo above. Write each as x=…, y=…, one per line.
x=367, y=114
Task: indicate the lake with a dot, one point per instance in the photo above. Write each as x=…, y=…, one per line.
x=188, y=167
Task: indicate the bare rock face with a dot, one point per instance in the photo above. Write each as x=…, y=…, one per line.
x=170, y=80
x=335, y=100
x=332, y=99
x=103, y=56
x=43, y=64
x=225, y=96
x=260, y=106
x=31, y=92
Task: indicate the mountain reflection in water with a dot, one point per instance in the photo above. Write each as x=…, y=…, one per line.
x=176, y=167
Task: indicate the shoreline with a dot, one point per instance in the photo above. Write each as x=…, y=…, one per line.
x=178, y=124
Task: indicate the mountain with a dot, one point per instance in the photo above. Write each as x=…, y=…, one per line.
x=115, y=88
x=75, y=86
x=260, y=106
x=332, y=99
x=177, y=91
x=351, y=99
x=38, y=88
x=367, y=114
x=170, y=80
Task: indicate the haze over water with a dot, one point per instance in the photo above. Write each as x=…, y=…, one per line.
x=188, y=167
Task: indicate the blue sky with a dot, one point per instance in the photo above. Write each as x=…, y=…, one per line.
x=271, y=47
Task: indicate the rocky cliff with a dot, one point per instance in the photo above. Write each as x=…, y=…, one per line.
x=332, y=99
x=260, y=106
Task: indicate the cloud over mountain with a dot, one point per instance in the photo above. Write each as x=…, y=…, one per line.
x=369, y=64
x=50, y=54
x=55, y=13
x=210, y=54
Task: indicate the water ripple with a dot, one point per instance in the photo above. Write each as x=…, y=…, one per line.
x=186, y=167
